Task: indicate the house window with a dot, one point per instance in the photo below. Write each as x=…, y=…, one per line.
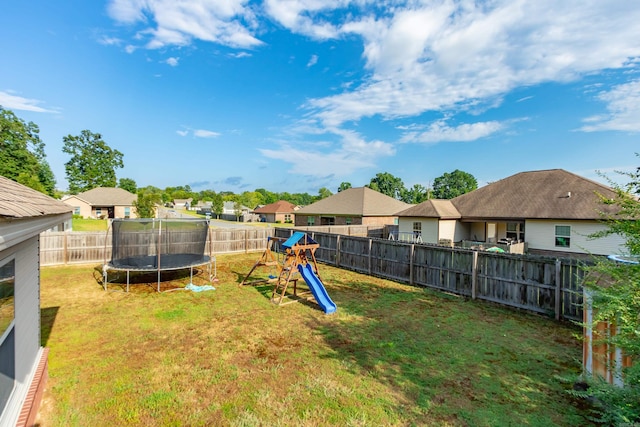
x=417, y=229
x=348, y=220
x=311, y=220
x=327, y=220
x=127, y=212
x=76, y=210
x=287, y=217
x=563, y=236
x=7, y=331
x=515, y=231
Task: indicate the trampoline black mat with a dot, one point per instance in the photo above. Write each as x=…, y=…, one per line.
x=164, y=262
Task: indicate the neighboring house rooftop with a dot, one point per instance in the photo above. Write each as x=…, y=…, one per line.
x=18, y=201
x=545, y=194
x=281, y=206
x=108, y=196
x=360, y=201
x=435, y=208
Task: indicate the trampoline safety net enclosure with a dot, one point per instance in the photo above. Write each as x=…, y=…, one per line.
x=157, y=244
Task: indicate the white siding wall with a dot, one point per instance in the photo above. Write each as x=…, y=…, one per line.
x=27, y=323
x=27, y=305
x=447, y=230
x=429, y=228
x=540, y=234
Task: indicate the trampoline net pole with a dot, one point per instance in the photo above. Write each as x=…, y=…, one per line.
x=159, y=250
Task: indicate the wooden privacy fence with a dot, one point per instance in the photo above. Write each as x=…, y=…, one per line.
x=539, y=284
x=83, y=247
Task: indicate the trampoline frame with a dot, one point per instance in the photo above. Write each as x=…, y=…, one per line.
x=208, y=260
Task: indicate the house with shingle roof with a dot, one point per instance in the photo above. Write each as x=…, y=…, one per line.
x=24, y=214
x=233, y=211
x=183, y=203
x=550, y=211
x=280, y=211
x=354, y=206
x=103, y=202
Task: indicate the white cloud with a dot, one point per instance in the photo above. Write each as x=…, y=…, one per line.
x=167, y=22
x=451, y=55
x=109, y=41
x=440, y=131
x=420, y=56
x=198, y=133
x=173, y=61
x=202, y=133
x=623, y=107
x=240, y=55
x=353, y=153
x=298, y=16
x=312, y=61
x=13, y=102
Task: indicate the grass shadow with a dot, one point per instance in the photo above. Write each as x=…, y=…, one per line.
x=47, y=320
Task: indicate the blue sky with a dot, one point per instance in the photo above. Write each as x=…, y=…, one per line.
x=295, y=95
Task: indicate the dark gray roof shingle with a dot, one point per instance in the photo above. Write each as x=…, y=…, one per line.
x=545, y=194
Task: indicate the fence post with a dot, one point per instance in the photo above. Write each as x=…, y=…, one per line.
x=411, y=256
x=65, y=249
x=246, y=238
x=474, y=275
x=558, y=289
x=338, y=250
x=370, y=245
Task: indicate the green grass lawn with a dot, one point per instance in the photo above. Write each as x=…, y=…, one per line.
x=392, y=355
x=82, y=224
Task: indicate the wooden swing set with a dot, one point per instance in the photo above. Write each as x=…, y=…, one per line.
x=299, y=249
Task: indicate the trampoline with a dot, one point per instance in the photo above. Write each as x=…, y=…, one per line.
x=157, y=245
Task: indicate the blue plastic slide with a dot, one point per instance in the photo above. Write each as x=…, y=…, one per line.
x=317, y=288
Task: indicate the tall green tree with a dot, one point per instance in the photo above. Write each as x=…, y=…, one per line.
x=300, y=199
x=323, y=193
x=615, y=291
x=217, y=205
x=22, y=156
x=93, y=163
x=388, y=184
x=251, y=199
x=128, y=184
x=145, y=204
x=416, y=194
x=453, y=184
x=180, y=192
x=268, y=197
x=344, y=186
